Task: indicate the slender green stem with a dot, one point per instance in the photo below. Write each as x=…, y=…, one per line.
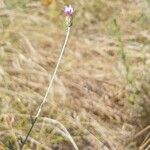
x=48, y=89
x=26, y=138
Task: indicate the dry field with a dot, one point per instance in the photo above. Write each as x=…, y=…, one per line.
x=101, y=93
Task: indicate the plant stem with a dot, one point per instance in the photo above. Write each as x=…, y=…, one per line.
x=48, y=89
x=54, y=74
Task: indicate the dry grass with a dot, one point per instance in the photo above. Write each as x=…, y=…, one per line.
x=91, y=95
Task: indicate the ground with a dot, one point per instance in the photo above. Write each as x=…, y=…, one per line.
x=102, y=89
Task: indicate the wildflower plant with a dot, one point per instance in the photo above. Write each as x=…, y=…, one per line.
x=68, y=10
x=69, y=15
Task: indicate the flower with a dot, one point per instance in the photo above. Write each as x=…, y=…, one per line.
x=68, y=10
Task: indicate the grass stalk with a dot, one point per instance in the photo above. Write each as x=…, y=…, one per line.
x=46, y=95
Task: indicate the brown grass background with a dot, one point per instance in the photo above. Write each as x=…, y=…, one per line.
x=91, y=95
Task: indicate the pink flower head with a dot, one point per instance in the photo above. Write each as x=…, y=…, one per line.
x=68, y=10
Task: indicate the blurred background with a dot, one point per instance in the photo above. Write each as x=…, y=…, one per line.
x=101, y=93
